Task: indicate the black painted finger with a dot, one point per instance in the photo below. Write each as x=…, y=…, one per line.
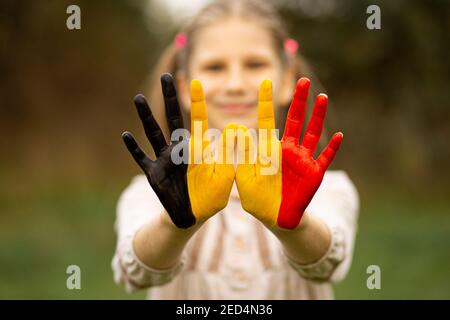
x=139, y=156
x=173, y=110
x=151, y=127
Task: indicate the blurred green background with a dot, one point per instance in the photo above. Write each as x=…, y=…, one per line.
x=66, y=96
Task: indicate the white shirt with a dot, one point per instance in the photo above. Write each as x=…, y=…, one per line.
x=233, y=256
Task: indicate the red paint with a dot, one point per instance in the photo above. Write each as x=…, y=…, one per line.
x=301, y=173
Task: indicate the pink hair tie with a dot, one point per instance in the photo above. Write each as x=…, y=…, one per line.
x=291, y=46
x=180, y=40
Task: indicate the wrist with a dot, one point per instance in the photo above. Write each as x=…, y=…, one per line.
x=167, y=223
x=304, y=223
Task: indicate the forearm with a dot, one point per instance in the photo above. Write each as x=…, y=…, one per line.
x=308, y=242
x=159, y=243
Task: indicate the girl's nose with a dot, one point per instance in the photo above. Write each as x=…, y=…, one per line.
x=235, y=82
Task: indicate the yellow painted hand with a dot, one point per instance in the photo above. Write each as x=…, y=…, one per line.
x=259, y=180
x=209, y=180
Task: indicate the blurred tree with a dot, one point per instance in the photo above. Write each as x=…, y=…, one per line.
x=390, y=89
x=67, y=95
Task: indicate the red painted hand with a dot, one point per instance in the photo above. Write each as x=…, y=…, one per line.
x=301, y=173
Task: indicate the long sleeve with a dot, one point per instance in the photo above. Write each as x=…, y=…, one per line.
x=137, y=205
x=336, y=203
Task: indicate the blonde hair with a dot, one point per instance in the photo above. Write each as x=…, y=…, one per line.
x=175, y=59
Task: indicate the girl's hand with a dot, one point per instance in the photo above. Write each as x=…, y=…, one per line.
x=209, y=180
x=281, y=198
x=189, y=193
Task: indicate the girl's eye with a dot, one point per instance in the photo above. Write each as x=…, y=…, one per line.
x=256, y=64
x=214, y=67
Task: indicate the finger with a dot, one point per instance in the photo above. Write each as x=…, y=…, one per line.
x=266, y=119
x=296, y=113
x=226, y=144
x=245, y=147
x=314, y=129
x=199, y=122
x=198, y=106
x=328, y=154
x=173, y=111
x=139, y=156
x=151, y=127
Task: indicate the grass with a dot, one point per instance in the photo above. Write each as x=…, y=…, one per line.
x=410, y=243
x=44, y=231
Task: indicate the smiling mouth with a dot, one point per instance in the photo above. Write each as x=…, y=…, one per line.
x=237, y=108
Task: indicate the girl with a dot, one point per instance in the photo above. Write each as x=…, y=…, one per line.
x=239, y=247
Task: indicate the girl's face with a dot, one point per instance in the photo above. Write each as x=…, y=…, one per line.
x=231, y=58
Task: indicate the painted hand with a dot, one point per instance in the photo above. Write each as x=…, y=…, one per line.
x=282, y=197
x=190, y=193
x=209, y=180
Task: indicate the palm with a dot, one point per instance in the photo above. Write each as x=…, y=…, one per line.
x=211, y=186
x=167, y=179
x=191, y=192
x=302, y=171
x=209, y=182
x=281, y=198
x=259, y=192
x=302, y=174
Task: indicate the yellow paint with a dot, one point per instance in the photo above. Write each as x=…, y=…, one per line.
x=209, y=181
x=260, y=194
